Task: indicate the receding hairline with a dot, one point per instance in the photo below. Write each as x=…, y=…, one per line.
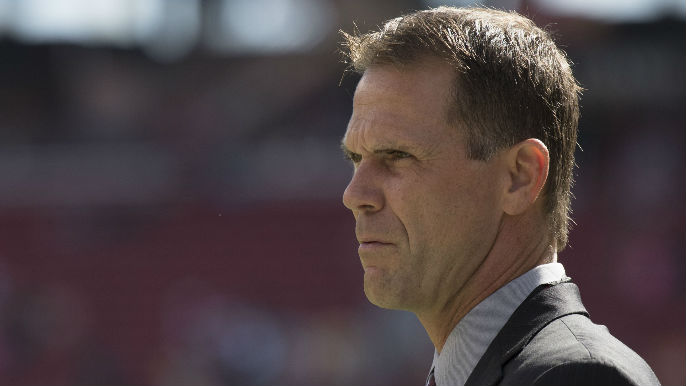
x=423, y=63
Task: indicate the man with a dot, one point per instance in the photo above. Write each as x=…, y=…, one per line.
x=462, y=139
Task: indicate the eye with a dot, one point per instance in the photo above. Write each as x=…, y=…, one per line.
x=395, y=155
x=352, y=157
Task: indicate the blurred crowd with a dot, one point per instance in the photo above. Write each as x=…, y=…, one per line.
x=177, y=220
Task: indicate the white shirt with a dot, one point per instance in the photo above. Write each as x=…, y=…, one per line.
x=470, y=338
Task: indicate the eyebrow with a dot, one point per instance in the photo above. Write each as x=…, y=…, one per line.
x=344, y=148
x=385, y=148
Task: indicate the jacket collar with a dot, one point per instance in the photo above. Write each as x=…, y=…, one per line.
x=545, y=304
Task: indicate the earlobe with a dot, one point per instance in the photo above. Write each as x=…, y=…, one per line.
x=528, y=163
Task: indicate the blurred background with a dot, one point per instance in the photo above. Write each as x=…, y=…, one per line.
x=170, y=191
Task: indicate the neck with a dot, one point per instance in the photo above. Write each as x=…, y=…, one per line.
x=508, y=258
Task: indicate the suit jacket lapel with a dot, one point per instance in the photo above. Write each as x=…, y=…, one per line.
x=545, y=304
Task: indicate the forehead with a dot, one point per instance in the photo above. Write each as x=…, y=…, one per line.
x=397, y=103
x=421, y=83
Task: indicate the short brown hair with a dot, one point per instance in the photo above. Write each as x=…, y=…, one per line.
x=512, y=83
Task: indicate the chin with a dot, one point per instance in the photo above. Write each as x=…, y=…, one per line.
x=382, y=296
x=381, y=303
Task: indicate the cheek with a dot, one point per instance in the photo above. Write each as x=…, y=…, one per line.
x=428, y=210
x=452, y=213
x=442, y=209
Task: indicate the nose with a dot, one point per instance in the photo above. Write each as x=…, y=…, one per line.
x=364, y=192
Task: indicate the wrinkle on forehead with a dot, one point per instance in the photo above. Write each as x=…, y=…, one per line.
x=402, y=108
x=372, y=134
x=371, y=139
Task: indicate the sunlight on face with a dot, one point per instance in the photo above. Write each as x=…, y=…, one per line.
x=426, y=215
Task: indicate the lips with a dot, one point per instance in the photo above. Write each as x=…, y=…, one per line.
x=372, y=239
x=374, y=243
x=374, y=254
x=372, y=247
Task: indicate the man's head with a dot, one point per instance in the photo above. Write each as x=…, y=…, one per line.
x=510, y=83
x=452, y=124
x=426, y=214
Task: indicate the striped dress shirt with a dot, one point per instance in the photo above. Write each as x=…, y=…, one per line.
x=470, y=338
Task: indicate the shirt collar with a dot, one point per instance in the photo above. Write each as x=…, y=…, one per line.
x=471, y=336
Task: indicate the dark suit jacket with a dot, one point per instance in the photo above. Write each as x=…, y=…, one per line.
x=550, y=340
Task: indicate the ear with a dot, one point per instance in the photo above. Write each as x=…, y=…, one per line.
x=528, y=163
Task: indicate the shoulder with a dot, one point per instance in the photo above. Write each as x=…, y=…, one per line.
x=571, y=350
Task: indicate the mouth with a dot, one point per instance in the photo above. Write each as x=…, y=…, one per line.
x=373, y=243
x=373, y=246
x=373, y=253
